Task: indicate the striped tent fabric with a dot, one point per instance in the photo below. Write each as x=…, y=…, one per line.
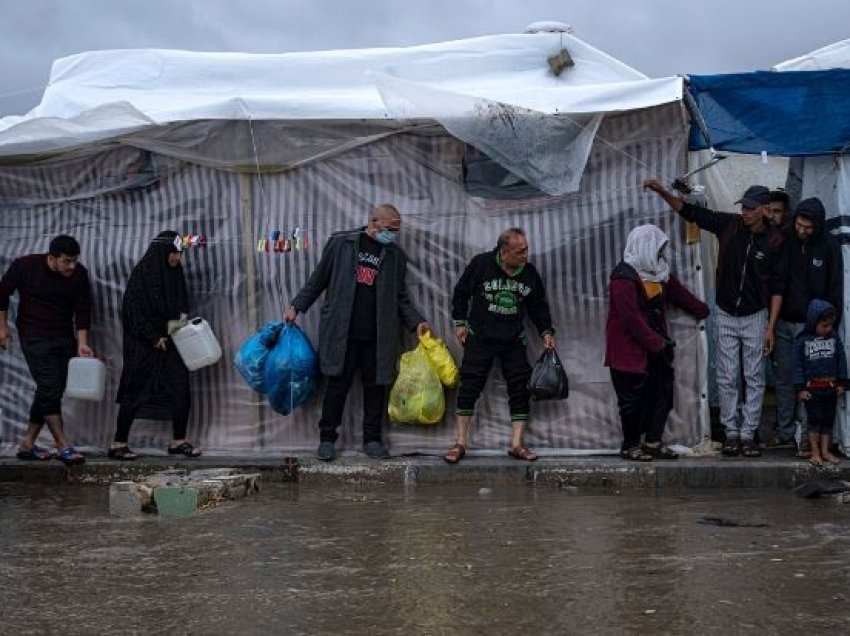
x=115, y=198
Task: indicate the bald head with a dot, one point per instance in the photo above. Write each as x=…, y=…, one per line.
x=386, y=210
x=385, y=218
x=513, y=247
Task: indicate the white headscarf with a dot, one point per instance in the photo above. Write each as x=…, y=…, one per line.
x=642, y=249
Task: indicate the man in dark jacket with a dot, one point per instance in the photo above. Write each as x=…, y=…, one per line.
x=502, y=287
x=814, y=270
x=778, y=219
x=55, y=302
x=749, y=297
x=362, y=273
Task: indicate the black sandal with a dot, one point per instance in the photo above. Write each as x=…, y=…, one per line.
x=731, y=447
x=636, y=454
x=184, y=449
x=660, y=451
x=749, y=449
x=121, y=453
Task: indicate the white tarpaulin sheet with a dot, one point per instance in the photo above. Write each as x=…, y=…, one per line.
x=835, y=55
x=163, y=86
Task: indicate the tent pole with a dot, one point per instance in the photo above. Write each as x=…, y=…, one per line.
x=247, y=211
x=246, y=208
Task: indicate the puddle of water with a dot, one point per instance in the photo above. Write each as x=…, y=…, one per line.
x=430, y=559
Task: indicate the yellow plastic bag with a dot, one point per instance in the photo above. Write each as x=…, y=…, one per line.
x=417, y=395
x=441, y=359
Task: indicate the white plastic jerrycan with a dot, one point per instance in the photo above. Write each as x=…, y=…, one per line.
x=197, y=345
x=86, y=379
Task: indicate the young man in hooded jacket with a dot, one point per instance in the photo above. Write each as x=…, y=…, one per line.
x=814, y=270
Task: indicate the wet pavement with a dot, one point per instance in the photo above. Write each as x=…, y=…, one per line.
x=428, y=559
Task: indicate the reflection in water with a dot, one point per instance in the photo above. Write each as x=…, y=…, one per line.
x=447, y=559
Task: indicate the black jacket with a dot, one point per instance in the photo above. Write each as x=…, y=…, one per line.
x=815, y=269
x=500, y=301
x=335, y=275
x=749, y=270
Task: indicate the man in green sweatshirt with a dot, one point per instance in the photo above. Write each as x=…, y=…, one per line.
x=489, y=304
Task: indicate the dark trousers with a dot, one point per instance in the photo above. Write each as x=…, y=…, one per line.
x=47, y=359
x=363, y=355
x=644, y=400
x=127, y=414
x=478, y=356
x=165, y=395
x=820, y=412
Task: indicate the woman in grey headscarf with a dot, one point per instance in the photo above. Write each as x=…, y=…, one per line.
x=639, y=350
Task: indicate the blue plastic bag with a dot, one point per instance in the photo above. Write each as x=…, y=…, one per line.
x=291, y=371
x=250, y=360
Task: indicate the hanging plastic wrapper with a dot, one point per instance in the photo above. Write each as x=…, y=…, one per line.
x=549, y=151
x=291, y=370
x=441, y=359
x=250, y=359
x=417, y=394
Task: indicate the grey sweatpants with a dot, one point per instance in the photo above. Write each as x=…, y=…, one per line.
x=740, y=339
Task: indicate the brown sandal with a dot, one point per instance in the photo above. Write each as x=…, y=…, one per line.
x=455, y=454
x=522, y=452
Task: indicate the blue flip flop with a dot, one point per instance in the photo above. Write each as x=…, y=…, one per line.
x=70, y=456
x=34, y=454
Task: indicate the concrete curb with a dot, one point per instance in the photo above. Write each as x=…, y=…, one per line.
x=570, y=472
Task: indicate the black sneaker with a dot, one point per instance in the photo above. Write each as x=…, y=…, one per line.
x=326, y=452
x=376, y=450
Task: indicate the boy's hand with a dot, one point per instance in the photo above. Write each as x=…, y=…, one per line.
x=804, y=396
x=839, y=390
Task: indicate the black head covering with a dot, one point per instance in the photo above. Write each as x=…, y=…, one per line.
x=156, y=292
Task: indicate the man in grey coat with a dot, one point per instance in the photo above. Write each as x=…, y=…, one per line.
x=362, y=273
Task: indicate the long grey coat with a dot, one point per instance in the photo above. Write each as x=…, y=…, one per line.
x=336, y=276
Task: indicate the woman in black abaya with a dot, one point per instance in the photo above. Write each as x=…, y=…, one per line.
x=155, y=381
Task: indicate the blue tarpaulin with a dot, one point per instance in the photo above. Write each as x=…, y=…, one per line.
x=793, y=113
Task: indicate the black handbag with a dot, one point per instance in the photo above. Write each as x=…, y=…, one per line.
x=548, y=379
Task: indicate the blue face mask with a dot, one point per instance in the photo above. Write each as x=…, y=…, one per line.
x=385, y=237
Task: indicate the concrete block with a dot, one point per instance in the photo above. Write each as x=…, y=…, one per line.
x=129, y=499
x=179, y=495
